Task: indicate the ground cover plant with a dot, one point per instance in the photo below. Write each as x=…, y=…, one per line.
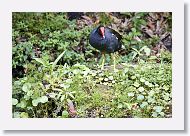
x=56, y=72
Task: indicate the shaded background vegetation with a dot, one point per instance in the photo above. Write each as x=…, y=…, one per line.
x=74, y=86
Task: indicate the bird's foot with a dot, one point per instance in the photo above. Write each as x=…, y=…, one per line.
x=116, y=70
x=102, y=67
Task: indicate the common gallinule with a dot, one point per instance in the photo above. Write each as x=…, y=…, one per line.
x=105, y=40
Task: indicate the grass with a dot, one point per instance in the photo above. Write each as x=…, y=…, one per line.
x=57, y=73
x=134, y=91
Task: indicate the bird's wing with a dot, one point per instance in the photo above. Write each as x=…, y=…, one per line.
x=115, y=33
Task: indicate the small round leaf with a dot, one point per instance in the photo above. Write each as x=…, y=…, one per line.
x=14, y=101
x=140, y=97
x=141, y=89
x=65, y=114
x=131, y=94
x=43, y=99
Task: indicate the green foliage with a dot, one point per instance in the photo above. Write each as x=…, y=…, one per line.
x=22, y=53
x=105, y=19
x=141, y=90
x=139, y=20
x=61, y=67
x=52, y=34
x=166, y=57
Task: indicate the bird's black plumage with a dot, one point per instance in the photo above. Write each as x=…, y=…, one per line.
x=109, y=43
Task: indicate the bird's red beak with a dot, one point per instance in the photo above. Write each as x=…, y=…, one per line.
x=102, y=31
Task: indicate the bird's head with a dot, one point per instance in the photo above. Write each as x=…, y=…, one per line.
x=101, y=31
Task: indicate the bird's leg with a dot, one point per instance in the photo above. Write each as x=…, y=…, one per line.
x=114, y=61
x=103, y=60
x=113, y=57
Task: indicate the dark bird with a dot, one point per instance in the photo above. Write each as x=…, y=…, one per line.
x=105, y=40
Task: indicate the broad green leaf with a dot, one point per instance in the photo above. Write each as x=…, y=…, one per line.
x=142, y=80
x=136, y=84
x=133, y=77
x=22, y=104
x=30, y=93
x=26, y=87
x=58, y=58
x=147, y=51
x=14, y=101
x=35, y=102
x=43, y=99
x=52, y=95
x=141, y=89
x=143, y=48
x=40, y=60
